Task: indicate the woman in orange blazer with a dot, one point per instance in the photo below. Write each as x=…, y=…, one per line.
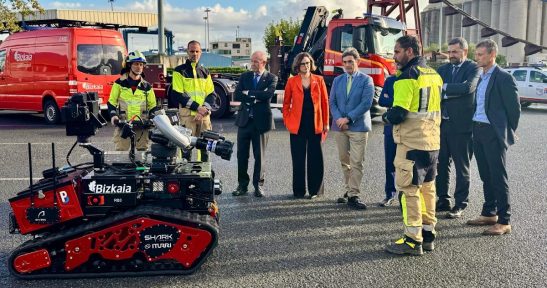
x=306, y=116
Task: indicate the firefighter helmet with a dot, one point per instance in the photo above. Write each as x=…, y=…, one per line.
x=135, y=56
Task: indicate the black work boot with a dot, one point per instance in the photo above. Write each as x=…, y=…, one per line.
x=405, y=246
x=429, y=240
x=356, y=203
x=240, y=191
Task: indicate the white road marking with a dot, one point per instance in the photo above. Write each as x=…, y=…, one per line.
x=19, y=179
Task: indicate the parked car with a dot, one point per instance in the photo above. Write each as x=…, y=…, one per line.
x=531, y=83
x=40, y=69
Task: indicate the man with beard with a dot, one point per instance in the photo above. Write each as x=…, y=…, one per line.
x=460, y=78
x=416, y=116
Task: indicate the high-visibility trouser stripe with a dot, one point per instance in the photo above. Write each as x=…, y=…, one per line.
x=405, y=208
x=425, y=115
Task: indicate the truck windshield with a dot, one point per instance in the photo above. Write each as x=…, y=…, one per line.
x=384, y=40
x=97, y=59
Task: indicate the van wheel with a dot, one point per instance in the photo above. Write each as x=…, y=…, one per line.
x=51, y=112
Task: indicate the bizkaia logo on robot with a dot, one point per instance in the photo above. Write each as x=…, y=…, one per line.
x=22, y=56
x=108, y=188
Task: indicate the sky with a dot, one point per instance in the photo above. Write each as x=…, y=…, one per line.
x=185, y=18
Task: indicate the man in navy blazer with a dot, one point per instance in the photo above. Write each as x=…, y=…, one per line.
x=497, y=113
x=255, y=90
x=460, y=78
x=350, y=101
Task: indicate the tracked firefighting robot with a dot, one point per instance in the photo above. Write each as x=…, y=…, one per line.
x=149, y=216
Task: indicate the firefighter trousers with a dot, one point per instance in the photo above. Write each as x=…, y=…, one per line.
x=141, y=140
x=187, y=120
x=415, y=172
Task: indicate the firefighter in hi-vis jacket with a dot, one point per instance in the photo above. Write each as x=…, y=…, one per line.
x=132, y=99
x=193, y=90
x=416, y=116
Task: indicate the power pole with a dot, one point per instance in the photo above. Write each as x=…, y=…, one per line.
x=161, y=31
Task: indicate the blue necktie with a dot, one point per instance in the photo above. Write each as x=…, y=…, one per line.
x=454, y=72
x=255, y=80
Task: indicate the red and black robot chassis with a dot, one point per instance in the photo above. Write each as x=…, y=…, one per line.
x=147, y=217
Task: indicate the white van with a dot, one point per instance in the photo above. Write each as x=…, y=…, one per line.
x=531, y=84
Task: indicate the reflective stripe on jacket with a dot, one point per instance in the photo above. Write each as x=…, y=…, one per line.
x=138, y=103
x=194, y=83
x=418, y=91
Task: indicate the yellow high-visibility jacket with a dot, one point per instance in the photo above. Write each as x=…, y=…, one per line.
x=122, y=98
x=192, y=86
x=416, y=112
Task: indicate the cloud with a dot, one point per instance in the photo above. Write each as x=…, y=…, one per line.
x=65, y=5
x=189, y=24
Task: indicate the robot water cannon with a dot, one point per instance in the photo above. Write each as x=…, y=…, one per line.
x=209, y=140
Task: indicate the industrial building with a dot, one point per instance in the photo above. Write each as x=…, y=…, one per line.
x=524, y=19
x=240, y=49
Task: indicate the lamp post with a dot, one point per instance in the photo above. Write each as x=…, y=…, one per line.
x=206, y=18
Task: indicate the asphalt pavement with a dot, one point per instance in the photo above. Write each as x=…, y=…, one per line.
x=277, y=241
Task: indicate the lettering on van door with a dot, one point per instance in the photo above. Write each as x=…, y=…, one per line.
x=22, y=56
x=90, y=86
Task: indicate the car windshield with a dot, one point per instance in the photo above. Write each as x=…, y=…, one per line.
x=96, y=59
x=384, y=40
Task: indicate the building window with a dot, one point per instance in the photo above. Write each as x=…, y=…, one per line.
x=247, y=45
x=225, y=44
x=215, y=46
x=236, y=46
x=238, y=52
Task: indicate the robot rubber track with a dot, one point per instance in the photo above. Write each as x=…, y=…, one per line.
x=146, y=240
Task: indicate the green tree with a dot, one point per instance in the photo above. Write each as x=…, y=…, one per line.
x=286, y=29
x=501, y=60
x=9, y=10
x=471, y=52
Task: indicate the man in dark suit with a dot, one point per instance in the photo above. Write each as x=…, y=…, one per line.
x=460, y=78
x=254, y=90
x=496, y=118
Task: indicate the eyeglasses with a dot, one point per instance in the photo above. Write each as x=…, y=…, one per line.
x=305, y=63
